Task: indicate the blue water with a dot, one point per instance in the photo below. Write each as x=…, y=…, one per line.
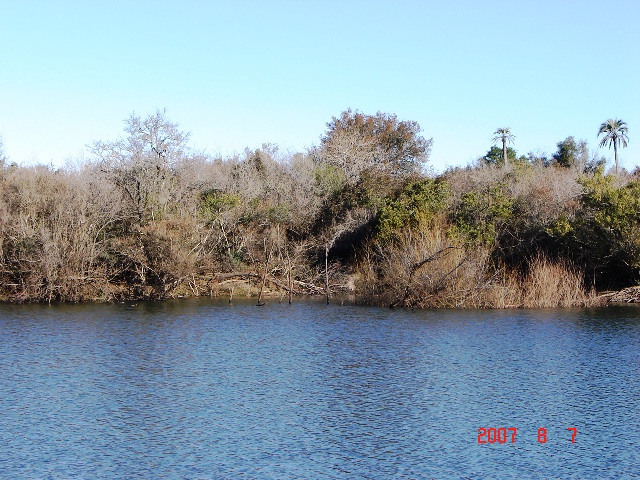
x=195, y=389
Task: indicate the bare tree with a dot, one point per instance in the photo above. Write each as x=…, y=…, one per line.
x=3, y=157
x=54, y=230
x=142, y=164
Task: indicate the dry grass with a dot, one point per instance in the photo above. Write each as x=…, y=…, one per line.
x=426, y=269
x=553, y=284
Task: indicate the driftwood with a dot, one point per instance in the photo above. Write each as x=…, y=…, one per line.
x=627, y=295
x=309, y=288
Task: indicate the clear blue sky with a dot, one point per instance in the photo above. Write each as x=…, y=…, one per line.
x=239, y=73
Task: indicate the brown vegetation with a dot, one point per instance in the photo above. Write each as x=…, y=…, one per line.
x=149, y=218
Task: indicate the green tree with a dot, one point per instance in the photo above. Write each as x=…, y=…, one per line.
x=614, y=133
x=571, y=153
x=495, y=155
x=481, y=215
x=415, y=205
x=505, y=136
x=604, y=235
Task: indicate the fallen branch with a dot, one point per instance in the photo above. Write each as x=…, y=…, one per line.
x=222, y=277
x=414, y=268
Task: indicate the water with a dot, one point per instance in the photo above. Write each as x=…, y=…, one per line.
x=201, y=390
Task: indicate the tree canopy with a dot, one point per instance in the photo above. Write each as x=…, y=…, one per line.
x=356, y=142
x=495, y=155
x=571, y=153
x=142, y=162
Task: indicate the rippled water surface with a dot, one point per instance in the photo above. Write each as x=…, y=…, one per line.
x=196, y=389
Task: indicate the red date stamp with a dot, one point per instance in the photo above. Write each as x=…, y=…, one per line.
x=508, y=435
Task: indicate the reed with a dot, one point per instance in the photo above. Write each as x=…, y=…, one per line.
x=553, y=284
x=426, y=269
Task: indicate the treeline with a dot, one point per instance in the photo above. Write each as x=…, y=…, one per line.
x=148, y=217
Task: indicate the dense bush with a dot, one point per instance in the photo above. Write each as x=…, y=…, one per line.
x=147, y=217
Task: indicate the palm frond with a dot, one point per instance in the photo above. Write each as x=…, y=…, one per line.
x=614, y=133
x=503, y=135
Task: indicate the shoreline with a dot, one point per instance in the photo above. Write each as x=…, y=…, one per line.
x=244, y=290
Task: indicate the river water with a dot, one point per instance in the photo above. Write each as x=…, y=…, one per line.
x=198, y=389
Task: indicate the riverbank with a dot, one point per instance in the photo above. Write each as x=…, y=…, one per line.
x=252, y=286
x=147, y=221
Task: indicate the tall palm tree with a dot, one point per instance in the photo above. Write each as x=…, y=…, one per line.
x=615, y=133
x=504, y=135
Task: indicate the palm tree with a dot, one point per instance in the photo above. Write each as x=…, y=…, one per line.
x=504, y=135
x=615, y=133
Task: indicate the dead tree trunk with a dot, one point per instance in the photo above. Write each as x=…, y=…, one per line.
x=264, y=273
x=326, y=271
